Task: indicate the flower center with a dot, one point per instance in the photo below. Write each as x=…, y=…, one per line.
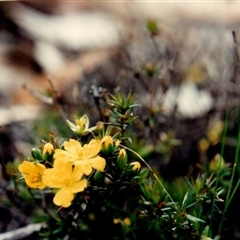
x=67, y=180
x=36, y=178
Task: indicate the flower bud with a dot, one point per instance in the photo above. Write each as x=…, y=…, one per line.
x=217, y=163
x=135, y=166
x=48, y=149
x=107, y=145
x=36, y=153
x=121, y=159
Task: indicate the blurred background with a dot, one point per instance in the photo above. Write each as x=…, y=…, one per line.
x=65, y=40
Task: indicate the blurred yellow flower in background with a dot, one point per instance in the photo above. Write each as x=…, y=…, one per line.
x=32, y=173
x=203, y=145
x=215, y=132
x=217, y=163
x=125, y=221
x=68, y=178
x=83, y=157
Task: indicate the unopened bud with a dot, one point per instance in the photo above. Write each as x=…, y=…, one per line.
x=121, y=159
x=135, y=166
x=36, y=154
x=48, y=148
x=107, y=144
x=217, y=163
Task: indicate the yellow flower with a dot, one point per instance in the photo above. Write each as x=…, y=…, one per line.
x=65, y=176
x=81, y=125
x=48, y=148
x=116, y=220
x=214, y=134
x=84, y=157
x=127, y=221
x=33, y=172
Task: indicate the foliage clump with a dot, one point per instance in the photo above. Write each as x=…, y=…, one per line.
x=94, y=181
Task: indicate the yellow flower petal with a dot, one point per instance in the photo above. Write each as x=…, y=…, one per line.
x=83, y=166
x=58, y=176
x=78, y=186
x=72, y=146
x=67, y=177
x=77, y=173
x=92, y=149
x=53, y=179
x=31, y=167
x=32, y=173
x=63, y=155
x=64, y=167
x=63, y=198
x=97, y=163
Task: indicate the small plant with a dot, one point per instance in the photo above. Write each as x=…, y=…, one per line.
x=94, y=181
x=152, y=27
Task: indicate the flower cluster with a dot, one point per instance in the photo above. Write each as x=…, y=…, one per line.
x=72, y=164
x=96, y=177
x=69, y=167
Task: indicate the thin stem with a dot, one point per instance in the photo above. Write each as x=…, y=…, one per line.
x=158, y=180
x=218, y=175
x=236, y=59
x=233, y=193
x=56, y=102
x=229, y=195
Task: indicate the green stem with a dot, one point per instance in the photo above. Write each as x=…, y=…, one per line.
x=218, y=175
x=229, y=195
x=153, y=173
x=233, y=193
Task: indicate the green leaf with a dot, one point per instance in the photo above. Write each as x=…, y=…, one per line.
x=184, y=202
x=194, y=219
